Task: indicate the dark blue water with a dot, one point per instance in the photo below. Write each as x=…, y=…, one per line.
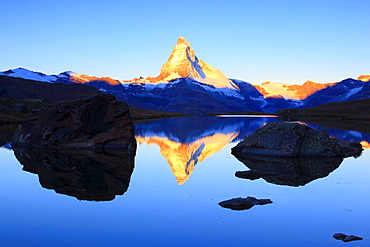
x=85, y=199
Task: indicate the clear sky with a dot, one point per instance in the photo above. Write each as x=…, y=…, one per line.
x=256, y=41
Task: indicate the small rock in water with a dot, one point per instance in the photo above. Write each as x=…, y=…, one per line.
x=264, y=201
x=346, y=238
x=351, y=238
x=243, y=203
x=339, y=236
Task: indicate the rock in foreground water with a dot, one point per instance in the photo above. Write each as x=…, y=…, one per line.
x=345, y=237
x=89, y=122
x=243, y=203
x=294, y=140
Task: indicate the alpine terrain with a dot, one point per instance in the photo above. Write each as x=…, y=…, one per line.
x=187, y=84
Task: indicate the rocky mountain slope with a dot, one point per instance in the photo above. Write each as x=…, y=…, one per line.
x=295, y=92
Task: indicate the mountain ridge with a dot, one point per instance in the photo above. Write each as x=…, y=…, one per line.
x=189, y=85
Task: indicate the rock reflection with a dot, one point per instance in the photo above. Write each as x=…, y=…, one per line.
x=84, y=174
x=287, y=171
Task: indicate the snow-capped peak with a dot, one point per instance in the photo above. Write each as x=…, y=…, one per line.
x=183, y=63
x=29, y=75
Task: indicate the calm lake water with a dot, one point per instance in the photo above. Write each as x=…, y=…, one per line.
x=171, y=189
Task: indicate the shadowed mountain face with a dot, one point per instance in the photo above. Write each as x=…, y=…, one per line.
x=28, y=89
x=86, y=175
x=289, y=171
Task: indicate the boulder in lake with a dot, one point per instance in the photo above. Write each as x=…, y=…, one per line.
x=240, y=203
x=345, y=237
x=294, y=140
x=90, y=122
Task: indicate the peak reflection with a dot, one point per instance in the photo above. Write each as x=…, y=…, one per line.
x=182, y=157
x=185, y=141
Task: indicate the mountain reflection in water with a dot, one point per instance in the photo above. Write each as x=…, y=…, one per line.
x=182, y=157
x=185, y=141
x=83, y=174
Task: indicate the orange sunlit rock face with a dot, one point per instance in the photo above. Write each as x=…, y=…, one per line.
x=296, y=92
x=183, y=63
x=77, y=78
x=364, y=78
x=183, y=157
x=365, y=144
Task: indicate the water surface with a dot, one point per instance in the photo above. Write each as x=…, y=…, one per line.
x=169, y=196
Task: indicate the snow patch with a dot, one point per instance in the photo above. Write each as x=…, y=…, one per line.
x=262, y=102
x=353, y=91
x=29, y=75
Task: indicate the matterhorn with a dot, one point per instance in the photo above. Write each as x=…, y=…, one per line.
x=183, y=63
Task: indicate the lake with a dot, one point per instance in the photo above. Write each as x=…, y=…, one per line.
x=168, y=194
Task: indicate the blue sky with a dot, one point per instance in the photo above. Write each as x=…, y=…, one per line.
x=256, y=41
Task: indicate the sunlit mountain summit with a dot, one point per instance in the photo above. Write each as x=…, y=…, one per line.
x=183, y=63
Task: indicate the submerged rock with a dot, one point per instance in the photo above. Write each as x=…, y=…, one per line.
x=346, y=238
x=243, y=203
x=294, y=140
x=92, y=122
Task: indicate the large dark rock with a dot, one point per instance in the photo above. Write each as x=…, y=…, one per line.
x=93, y=122
x=240, y=203
x=294, y=140
x=287, y=171
x=22, y=108
x=84, y=174
x=7, y=133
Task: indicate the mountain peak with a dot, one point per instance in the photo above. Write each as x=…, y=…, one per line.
x=364, y=78
x=182, y=40
x=183, y=63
